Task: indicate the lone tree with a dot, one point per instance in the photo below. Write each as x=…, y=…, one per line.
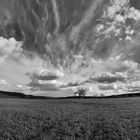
x=80, y=92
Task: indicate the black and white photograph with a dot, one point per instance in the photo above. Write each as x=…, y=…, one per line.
x=69, y=69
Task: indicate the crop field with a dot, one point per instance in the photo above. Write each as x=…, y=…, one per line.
x=70, y=119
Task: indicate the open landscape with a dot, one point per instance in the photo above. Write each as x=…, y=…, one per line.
x=69, y=69
x=70, y=119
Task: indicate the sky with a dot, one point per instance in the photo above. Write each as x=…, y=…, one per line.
x=117, y=73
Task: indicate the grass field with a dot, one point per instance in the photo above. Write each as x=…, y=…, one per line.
x=70, y=119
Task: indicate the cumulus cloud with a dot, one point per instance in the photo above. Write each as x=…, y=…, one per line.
x=9, y=47
x=46, y=74
x=134, y=14
x=109, y=78
x=119, y=19
x=113, y=70
x=14, y=66
x=45, y=80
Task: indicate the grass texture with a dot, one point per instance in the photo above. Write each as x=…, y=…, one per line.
x=70, y=119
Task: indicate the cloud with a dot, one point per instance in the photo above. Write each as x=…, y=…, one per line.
x=107, y=87
x=45, y=80
x=45, y=74
x=15, y=64
x=72, y=84
x=87, y=17
x=75, y=83
x=116, y=7
x=9, y=48
x=19, y=86
x=25, y=74
x=119, y=19
x=40, y=85
x=52, y=80
x=127, y=66
x=37, y=75
x=109, y=78
x=132, y=51
x=5, y=15
x=134, y=14
x=56, y=14
x=118, y=63
x=4, y=82
x=134, y=86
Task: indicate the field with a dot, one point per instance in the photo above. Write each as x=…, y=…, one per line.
x=70, y=119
